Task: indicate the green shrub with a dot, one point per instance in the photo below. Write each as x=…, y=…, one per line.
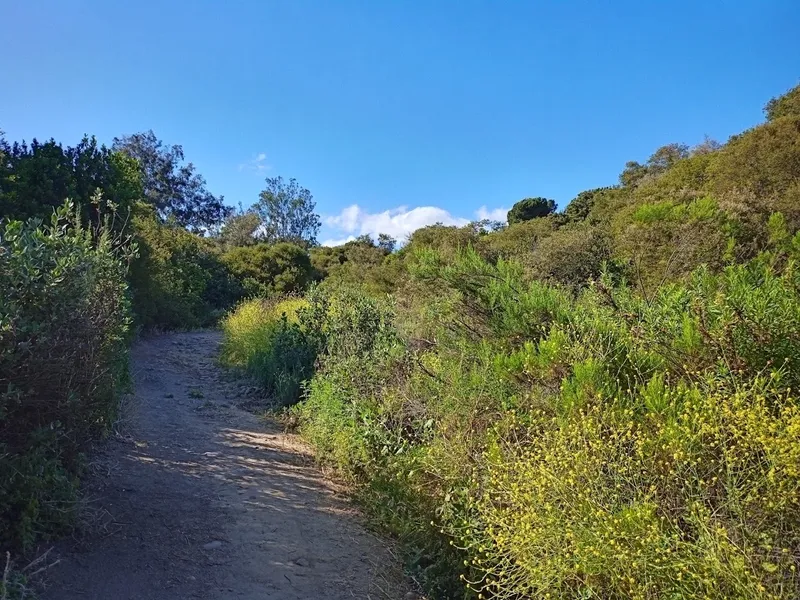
x=610, y=446
x=360, y=422
x=360, y=262
x=177, y=280
x=64, y=328
x=694, y=496
x=263, y=338
x=521, y=240
x=270, y=269
x=530, y=208
x=572, y=256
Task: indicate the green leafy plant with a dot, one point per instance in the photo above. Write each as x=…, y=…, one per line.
x=64, y=332
x=264, y=338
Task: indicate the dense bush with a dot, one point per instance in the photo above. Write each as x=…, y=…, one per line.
x=270, y=269
x=360, y=262
x=637, y=449
x=606, y=446
x=530, y=208
x=178, y=279
x=263, y=338
x=64, y=328
x=572, y=256
x=653, y=453
x=785, y=105
x=519, y=241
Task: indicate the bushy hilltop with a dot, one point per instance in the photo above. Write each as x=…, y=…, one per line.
x=596, y=402
x=683, y=207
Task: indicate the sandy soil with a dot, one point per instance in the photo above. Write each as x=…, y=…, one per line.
x=198, y=498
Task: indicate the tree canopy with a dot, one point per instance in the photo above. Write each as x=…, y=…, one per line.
x=240, y=229
x=268, y=269
x=530, y=208
x=386, y=242
x=785, y=105
x=175, y=189
x=287, y=213
x=37, y=178
x=659, y=162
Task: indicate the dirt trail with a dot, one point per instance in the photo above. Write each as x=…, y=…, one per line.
x=201, y=499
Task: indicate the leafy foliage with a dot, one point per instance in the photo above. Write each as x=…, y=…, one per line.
x=264, y=338
x=787, y=105
x=359, y=262
x=178, y=279
x=138, y=243
x=593, y=404
x=38, y=178
x=573, y=256
x=64, y=323
x=597, y=403
x=174, y=189
x=659, y=162
x=239, y=229
x=565, y=445
x=287, y=213
x=530, y=208
x=580, y=207
x=267, y=270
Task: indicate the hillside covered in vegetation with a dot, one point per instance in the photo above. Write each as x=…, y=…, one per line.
x=596, y=402
x=593, y=403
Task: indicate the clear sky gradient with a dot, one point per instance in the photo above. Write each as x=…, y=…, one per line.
x=396, y=105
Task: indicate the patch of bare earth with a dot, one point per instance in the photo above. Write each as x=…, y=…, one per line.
x=197, y=498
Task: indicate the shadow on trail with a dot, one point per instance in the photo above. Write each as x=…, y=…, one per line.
x=203, y=500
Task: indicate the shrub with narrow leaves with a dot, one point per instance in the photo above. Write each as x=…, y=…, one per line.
x=64, y=332
x=528, y=444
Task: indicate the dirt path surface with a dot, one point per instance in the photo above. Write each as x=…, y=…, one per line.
x=198, y=498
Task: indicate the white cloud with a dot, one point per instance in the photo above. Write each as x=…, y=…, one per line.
x=257, y=164
x=398, y=222
x=340, y=242
x=495, y=214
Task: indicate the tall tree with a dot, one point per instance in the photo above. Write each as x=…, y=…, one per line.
x=530, y=208
x=660, y=161
x=175, y=189
x=783, y=106
x=240, y=229
x=37, y=178
x=287, y=213
x=386, y=243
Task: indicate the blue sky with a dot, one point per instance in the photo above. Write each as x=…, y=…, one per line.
x=398, y=113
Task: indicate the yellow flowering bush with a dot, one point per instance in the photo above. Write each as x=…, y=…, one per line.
x=264, y=338
x=699, y=500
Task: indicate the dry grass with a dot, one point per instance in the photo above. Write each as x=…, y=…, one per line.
x=17, y=584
